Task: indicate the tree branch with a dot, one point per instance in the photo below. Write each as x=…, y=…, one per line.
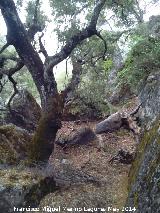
x=14, y=83
x=4, y=47
x=42, y=48
x=87, y=32
x=12, y=71
x=105, y=44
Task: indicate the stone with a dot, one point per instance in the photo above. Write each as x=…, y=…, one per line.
x=23, y=188
x=25, y=111
x=14, y=142
x=144, y=176
x=82, y=136
x=150, y=101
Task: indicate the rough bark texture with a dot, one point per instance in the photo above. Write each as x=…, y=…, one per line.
x=112, y=123
x=42, y=74
x=43, y=140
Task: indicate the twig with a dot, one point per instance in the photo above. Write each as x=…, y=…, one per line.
x=14, y=83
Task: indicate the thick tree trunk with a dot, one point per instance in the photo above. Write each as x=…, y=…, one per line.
x=43, y=140
x=51, y=101
x=42, y=143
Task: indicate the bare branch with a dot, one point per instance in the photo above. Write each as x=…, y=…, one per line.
x=42, y=48
x=14, y=83
x=4, y=47
x=105, y=43
x=135, y=110
x=13, y=70
x=12, y=58
x=96, y=13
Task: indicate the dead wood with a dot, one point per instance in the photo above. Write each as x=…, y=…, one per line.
x=118, y=120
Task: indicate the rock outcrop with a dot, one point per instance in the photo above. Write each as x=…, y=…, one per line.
x=23, y=188
x=150, y=99
x=144, y=178
x=14, y=143
x=25, y=111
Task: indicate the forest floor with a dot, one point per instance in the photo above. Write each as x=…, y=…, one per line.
x=92, y=161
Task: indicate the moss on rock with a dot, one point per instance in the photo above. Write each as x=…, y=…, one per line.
x=23, y=188
x=144, y=177
x=14, y=143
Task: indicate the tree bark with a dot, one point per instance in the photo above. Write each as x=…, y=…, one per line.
x=42, y=74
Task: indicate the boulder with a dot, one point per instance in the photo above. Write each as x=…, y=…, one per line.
x=83, y=136
x=144, y=177
x=23, y=188
x=150, y=101
x=25, y=111
x=14, y=142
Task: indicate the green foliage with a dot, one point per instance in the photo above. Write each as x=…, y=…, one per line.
x=127, y=11
x=143, y=59
x=92, y=91
x=107, y=65
x=35, y=15
x=62, y=79
x=68, y=16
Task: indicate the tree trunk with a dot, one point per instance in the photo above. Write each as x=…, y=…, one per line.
x=42, y=143
x=43, y=140
x=42, y=74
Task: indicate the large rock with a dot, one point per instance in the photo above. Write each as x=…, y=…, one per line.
x=144, y=181
x=14, y=143
x=23, y=188
x=25, y=111
x=144, y=178
x=150, y=100
x=82, y=136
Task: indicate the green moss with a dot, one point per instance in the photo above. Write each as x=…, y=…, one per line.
x=13, y=144
x=147, y=139
x=136, y=199
x=41, y=146
x=153, y=165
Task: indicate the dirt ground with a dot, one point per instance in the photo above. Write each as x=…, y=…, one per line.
x=87, y=176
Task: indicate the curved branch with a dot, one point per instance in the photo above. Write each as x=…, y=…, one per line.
x=42, y=48
x=4, y=47
x=12, y=71
x=105, y=44
x=87, y=32
x=14, y=83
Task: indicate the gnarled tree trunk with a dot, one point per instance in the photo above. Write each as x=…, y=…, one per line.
x=42, y=74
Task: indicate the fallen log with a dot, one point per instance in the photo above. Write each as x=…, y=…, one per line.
x=118, y=120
